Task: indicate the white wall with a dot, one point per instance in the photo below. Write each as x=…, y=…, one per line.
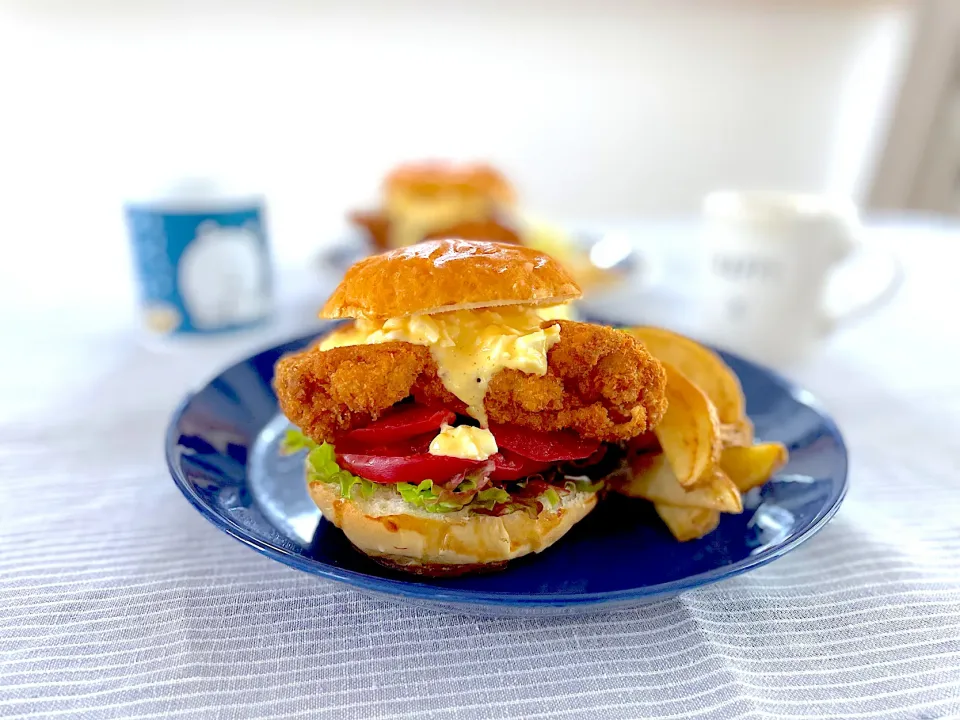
x=921, y=158
x=599, y=108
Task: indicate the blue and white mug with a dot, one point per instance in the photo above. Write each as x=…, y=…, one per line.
x=202, y=261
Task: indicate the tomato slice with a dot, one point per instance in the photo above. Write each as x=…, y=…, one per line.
x=510, y=466
x=400, y=423
x=408, y=468
x=408, y=446
x=543, y=446
x=645, y=442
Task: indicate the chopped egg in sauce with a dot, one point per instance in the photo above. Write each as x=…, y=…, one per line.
x=464, y=441
x=469, y=346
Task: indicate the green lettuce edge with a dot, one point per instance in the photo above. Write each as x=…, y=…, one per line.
x=322, y=467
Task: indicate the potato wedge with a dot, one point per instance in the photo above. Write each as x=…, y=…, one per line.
x=688, y=523
x=738, y=433
x=652, y=479
x=689, y=433
x=750, y=467
x=717, y=485
x=703, y=367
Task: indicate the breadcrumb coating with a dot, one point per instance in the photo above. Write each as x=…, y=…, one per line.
x=601, y=383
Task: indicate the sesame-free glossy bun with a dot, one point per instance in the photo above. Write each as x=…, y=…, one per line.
x=451, y=274
x=489, y=230
x=403, y=537
x=427, y=179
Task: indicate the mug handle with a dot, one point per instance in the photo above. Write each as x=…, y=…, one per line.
x=833, y=319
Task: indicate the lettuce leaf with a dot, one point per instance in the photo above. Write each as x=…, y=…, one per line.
x=427, y=497
x=468, y=485
x=486, y=499
x=294, y=441
x=583, y=485
x=416, y=494
x=550, y=499
x=322, y=467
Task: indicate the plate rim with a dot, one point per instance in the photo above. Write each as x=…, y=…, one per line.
x=409, y=589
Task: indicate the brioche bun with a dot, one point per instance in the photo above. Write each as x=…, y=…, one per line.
x=491, y=230
x=404, y=537
x=430, y=179
x=451, y=274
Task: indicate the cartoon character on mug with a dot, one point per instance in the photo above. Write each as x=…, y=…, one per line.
x=223, y=277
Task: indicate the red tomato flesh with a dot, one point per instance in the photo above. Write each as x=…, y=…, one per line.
x=408, y=468
x=400, y=423
x=546, y=447
x=401, y=448
x=510, y=466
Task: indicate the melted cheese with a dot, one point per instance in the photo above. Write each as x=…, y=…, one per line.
x=469, y=346
x=465, y=442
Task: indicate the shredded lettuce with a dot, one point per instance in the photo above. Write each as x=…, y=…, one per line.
x=550, y=498
x=415, y=494
x=425, y=496
x=468, y=485
x=490, y=497
x=583, y=485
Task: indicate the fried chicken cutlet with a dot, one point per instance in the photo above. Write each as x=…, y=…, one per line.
x=601, y=383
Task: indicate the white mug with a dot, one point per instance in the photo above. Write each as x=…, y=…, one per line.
x=767, y=264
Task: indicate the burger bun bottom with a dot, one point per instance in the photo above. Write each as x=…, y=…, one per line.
x=403, y=537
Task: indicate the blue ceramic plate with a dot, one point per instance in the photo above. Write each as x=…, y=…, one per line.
x=222, y=451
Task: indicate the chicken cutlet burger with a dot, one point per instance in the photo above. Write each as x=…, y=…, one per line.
x=450, y=426
x=441, y=199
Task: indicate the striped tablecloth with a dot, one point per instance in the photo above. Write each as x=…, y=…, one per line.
x=118, y=600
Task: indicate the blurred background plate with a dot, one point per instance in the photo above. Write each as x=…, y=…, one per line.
x=222, y=452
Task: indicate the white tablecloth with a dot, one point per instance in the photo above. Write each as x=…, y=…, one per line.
x=118, y=600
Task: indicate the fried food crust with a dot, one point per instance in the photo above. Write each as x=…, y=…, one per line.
x=601, y=383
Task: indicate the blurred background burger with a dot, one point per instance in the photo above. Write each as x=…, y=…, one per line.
x=473, y=201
